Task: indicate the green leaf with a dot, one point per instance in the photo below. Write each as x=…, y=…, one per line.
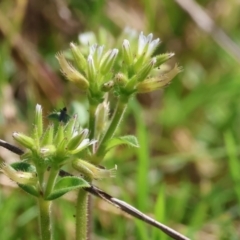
x=23, y=166
x=29, y=189
x=65, y=185
x=128, y=140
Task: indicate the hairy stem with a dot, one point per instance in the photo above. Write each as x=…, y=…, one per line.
x=116, y=119
x=45, y=224
x=82, y=215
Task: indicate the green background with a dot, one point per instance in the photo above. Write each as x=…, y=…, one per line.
x=186, y=173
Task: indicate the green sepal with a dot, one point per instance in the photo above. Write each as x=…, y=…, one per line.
x=61, y=148
x=91, y=70
x=36, y=136
x=139, y=61
x=79, y=58
x=69, y=128
x=38, y=120
x=59, y=135
x=162, y=58
x=47, y=138
x=67, y=184
x=29, y=189
x=76, y=140
x=83, y=167
x=145, y=70
x=128, y=140
x=108, y=60
x=24, y=140
x=127, y=53
x=130, y=85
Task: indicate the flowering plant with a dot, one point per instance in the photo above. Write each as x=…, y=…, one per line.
x=123, y=72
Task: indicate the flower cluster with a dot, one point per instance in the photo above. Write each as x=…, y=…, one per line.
x=132, y=69
x=92, y=72
x=47, y=151
x=53, y=148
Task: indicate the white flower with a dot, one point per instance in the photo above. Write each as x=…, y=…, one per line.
x=146, y=45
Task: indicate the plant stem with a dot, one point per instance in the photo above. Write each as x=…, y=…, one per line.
x=116, y=119
x=45, y=225
x=82, y=215
x=91, y=125
x=51, y=181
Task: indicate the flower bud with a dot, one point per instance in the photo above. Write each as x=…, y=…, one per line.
x=155, y=83
x=69, y=127
x=120, y=79
x=48, y=150
x=76, y=140
x=145, y=70
x=26, y=178
x=162, y=58
x=71, y=73
x=106, y=87
x=127, y=53
x=91, y=70
x=101, y=118
x=96, y=52
x=38, y=120
x=93, y=171
x=48, y=136
x=24, y=140
x=61, y=150
x=80, y=60
x=146, y=47
x=97, y=56
x=108, y=60
x=142, y=43
x=59, y=134
x=84, y=144
x=152, y=47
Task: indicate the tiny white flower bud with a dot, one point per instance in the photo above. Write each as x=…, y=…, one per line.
x=91, y=70
x=80, y=60
x=127, y=54
x=108, y=60
x=71, y=73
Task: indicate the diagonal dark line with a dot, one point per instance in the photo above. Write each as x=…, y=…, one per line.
x=125, y=207
x=11, y=147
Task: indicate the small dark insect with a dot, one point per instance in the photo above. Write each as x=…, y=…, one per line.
x=63, y=117
x=60, y=116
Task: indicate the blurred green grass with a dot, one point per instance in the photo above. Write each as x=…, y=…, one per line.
x=186, y=173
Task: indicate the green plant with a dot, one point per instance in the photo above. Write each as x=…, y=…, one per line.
x=119, y=72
